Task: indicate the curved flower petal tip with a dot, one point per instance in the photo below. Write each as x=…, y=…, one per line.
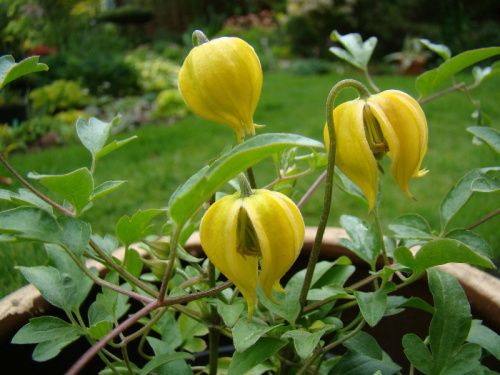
x=221, y=81
x=392, y=123
x=240, y=232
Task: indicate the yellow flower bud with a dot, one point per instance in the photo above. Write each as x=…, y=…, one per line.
x=390, y=122
x=240, y=232
x=221, y=81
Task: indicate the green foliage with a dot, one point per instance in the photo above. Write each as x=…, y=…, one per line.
x=37, y=132
x=169, y=104
x=430, y=80
x=10, y=70
x=183, y=305
x=205, y=183
x=356, y=52
x=155, y=73
x=364, y=355
x=448, y=331
x=101, y=73
x=128, y=14
x=59, y=95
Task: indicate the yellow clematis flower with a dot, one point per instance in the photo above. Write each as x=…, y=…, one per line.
x=221, y=81
x=392, y=123
x=240, y=232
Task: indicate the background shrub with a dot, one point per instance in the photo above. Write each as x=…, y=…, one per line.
x=59, y=95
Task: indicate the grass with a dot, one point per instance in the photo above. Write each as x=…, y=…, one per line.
x=163, y=157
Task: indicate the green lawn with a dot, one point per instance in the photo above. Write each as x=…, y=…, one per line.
x=165, y=155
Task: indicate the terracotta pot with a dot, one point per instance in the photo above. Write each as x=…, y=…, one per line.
x=482, y=289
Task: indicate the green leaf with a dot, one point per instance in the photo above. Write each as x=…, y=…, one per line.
x=430, y=80
x=372, y=305
x=418, y=303
x=100, y=329
x=114, y=145
x=356, y=52
x=472, y=240
x=133, y=263
x=65, y=265
x=417, y=353
x=365, y=239
x=201, y=186
x=349, y=187
x=336, y=273
x=411, y=226
x=190, y=327
x=485, y=337
x=75, y=234
x=303, y=341
x=169, y=329
x=30, y=223
x=121, y=368
x=162, y=359
x=263, y=349
x=113, y=303
x=465, y=360
x=485, y=184
x=437, y=252
x=130, y=230
x=230, y=313
x=44, y=328
x=287, y=305
x=94, y=133
x=58, y=289
x=459, y=194
x=105, y=188
x=452, y=318
x=245, y=333
x=353, y=363
x=10, y=70
x=76, y=187
x=364, y=343
x=194, y=344
x=108, y=243
x=179, y=367
x=25, y=197
x=440, y=49
x=49, y=349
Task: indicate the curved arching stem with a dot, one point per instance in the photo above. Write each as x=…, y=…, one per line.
x=327, y=202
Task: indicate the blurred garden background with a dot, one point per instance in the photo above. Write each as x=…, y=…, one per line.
x=109, y=57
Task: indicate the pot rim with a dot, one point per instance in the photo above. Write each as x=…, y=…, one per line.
x=481, y=288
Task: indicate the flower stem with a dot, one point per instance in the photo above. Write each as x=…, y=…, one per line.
x=381, y=236
x=171, y=261
x=213, y=330
x=327, y=202
x=245, y=187
x=199, y=38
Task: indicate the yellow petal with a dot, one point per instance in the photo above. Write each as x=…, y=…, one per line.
x=354, y=156
x=218, y=239
x=404, y=127
x=221, y=80
x=280, y=230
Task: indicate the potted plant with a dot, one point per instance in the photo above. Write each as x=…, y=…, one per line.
x=413, y=57
x=172, y=304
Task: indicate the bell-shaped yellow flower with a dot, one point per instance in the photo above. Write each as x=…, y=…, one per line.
x=240, y=232
x=390, y=122
x=221, y=81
